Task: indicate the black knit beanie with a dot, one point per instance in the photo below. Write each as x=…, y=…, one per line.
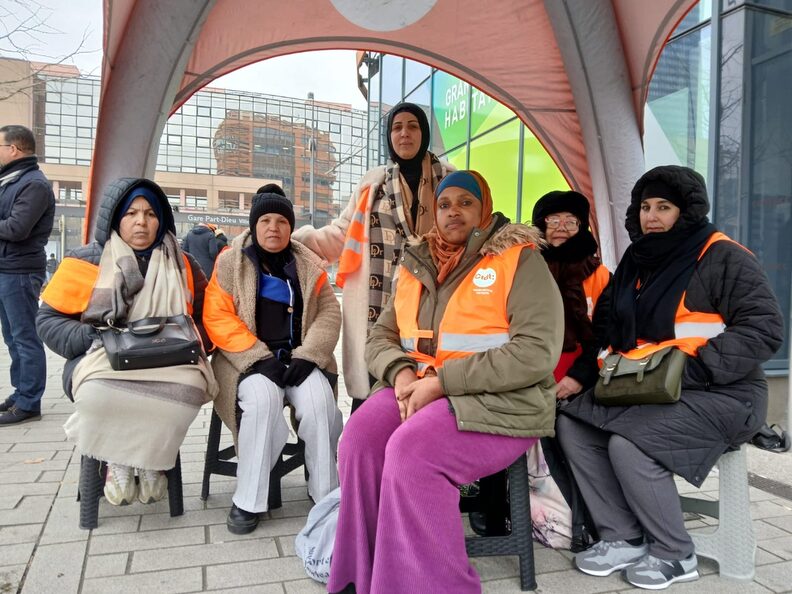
x=270, y=202
x=561, y=201
x=271, y=189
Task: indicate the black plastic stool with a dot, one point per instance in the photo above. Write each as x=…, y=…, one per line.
x=519, y=541
x=219, y=462
x=92, y=479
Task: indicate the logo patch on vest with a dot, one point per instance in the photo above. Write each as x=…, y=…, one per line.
x=484, y=278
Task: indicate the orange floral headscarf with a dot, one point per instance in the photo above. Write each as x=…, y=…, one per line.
x=446, y=255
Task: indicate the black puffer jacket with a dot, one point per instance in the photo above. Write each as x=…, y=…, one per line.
x=66, y=334
x=724, y=391
x=202, y=244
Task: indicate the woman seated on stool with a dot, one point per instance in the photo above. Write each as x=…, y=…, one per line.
x=466, y=349
x=680, y=283
x=275, y=320
x=133, y=271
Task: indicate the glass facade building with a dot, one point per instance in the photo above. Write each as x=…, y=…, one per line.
x=732, y=122
x=215, y=151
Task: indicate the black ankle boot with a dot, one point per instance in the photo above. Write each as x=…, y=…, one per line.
x=240, y=521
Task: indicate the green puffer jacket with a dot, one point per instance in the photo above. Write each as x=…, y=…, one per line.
x=507, y=390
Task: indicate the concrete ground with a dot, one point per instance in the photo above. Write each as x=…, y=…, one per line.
x=140, y=548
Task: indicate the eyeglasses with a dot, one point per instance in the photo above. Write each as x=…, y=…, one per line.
x=567, y=223
x=6, y=145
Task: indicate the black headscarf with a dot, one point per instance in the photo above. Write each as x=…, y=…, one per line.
x=410, y=169
x=662, y=263
x=570, y=263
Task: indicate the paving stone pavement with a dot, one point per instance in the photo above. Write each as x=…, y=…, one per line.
x=140, y=548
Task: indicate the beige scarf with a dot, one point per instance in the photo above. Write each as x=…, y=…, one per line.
x=140, y=417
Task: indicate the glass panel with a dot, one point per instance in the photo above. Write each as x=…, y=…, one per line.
x=676, y=116
x=391, y=81
x=539, y=175
x=422, y=96
x=457, y=157
x=727, y=211
x=495, y=156
x=770, y=160
x=701, y=12
x=414, y=74
x=487, y=113
x=451, y=107
x=779, y=4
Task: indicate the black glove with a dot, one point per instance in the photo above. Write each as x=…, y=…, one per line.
x=271, y=368
x=298, y=372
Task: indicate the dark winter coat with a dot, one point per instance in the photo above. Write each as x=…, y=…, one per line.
x=724, y=391
x=27, y=211
x=66, y=334
x=202, y=244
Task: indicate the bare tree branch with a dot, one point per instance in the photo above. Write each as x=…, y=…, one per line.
x=25, y=33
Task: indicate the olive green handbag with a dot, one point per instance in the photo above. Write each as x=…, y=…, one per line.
x=655, y=379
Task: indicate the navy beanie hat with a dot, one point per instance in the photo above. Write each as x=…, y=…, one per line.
x=270, y=202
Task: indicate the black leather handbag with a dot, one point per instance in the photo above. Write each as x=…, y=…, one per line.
x=656, y=379
x=152, y=342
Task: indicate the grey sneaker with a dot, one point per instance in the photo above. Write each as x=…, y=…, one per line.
x=652, y=573
x=605, y=557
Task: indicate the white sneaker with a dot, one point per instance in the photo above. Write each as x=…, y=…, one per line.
x=153, y=485
x=120, y=487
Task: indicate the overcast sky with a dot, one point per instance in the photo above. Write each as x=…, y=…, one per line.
x=329, y=74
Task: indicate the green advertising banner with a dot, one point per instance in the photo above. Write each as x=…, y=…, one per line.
x=494, y=148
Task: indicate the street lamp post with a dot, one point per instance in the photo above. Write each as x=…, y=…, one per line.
x=312, y=149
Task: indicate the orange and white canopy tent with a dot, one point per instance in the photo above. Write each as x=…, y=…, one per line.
x=575, y=71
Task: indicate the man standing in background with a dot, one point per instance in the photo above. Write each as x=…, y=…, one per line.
x=27, y=211
x=52, y=266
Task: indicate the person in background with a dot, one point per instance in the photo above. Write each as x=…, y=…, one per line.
x=464, y=354
x=392, y=204
x=275, y=321
x=134, y=270
x=681, y=283
x=52, y=266
x=27, y=212
x=202, y=244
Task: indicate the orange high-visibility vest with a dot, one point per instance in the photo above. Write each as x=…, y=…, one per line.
x=352, y=255
x=475, y=319
x=593, y=287
x=70, y=288
x=692, y=329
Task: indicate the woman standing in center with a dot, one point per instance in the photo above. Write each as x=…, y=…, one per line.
x=392, y=204
x=464, y=352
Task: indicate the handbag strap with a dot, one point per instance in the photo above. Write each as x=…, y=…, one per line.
x=147, y=326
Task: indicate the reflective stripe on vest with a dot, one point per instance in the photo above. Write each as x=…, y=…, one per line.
x=692, y=329
x=475, y=319
x=352, y=254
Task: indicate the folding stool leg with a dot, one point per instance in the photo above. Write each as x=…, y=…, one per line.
x=733, y=544
x=175, y=490
x=90, y=490
x=212, y=449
